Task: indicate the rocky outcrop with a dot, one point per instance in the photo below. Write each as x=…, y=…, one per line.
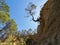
x=49, y=28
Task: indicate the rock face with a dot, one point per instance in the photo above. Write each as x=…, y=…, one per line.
x=49, y=28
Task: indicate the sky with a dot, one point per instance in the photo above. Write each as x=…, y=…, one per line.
x=18, y=13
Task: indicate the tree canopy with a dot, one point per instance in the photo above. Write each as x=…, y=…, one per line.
x=31, y=11
x=4, y=18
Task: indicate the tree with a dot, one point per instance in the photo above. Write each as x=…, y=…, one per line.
x=5, y=20
x=4, y=13
x=30, y=9
x=13, y=27
x=3, y=6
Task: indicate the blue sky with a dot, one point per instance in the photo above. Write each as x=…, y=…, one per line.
x=17, y=12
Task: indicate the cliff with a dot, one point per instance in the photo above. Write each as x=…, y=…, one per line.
x=49, y=28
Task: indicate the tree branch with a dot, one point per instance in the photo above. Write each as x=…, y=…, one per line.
x=34, y=19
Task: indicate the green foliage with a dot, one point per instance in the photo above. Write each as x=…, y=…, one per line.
x=13, y=27
x=4, y=17
x=3, y=6
x=4, y=11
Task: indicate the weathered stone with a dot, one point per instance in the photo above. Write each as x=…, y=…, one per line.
x=49, y=28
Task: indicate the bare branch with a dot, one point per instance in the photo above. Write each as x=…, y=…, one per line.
x=30, y=9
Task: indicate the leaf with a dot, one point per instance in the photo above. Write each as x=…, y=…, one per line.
x=4, y=17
